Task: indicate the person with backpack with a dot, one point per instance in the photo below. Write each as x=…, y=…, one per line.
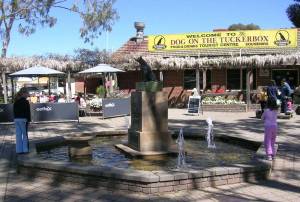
x=285, y=94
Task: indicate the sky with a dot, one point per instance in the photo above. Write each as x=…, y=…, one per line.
x=159, y=16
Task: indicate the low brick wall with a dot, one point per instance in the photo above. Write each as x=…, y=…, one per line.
x=225, y=108
x=165, y=182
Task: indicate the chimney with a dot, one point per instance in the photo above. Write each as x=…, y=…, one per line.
x=139, y=26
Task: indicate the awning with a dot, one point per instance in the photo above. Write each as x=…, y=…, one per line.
x=101, y=68
x=36, y=71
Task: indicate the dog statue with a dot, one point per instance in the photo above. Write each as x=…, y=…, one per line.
x=147, y=72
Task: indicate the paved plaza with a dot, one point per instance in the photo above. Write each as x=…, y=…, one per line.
x=283, y=184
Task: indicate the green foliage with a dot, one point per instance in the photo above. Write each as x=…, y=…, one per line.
x=240, y=26
x=100, y=90
x=92, y=57
x=293, y=13
x=96, y=16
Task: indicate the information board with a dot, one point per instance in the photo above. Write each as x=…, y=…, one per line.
x=115, y=107
x=194, y=104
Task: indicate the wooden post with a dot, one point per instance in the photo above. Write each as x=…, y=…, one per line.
x=198, y=81
x=161, y=76
x=49, y=86
x=12, y=88
x=69, y=86
x=4, y=86
x=204, y=79
x=84, y=86
x=241, y=78
x=248, y=89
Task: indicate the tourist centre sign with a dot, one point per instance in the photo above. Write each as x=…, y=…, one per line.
x=282, y=38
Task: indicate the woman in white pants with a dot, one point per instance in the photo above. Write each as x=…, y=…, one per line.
x=21, y=119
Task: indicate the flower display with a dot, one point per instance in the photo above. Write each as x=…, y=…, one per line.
x=220, y=100
x=96, y=103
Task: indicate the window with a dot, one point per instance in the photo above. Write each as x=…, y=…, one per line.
x=189, y=79
x=61, y=82
x=233, y=79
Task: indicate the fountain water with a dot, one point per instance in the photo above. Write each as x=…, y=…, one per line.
x=181, y=153
x=210, y=134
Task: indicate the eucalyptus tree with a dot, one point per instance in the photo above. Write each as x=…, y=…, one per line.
x=92, y=57
x=293, y=12
x=240, y=26
x=28, y=15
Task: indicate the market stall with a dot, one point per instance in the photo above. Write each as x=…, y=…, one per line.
x=44, y=109
x=109, y=104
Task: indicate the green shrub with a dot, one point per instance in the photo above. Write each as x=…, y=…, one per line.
x=100, y=91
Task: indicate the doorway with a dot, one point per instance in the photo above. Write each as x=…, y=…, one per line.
x=291, y=76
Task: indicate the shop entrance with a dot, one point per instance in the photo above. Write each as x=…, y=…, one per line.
x=291, y=76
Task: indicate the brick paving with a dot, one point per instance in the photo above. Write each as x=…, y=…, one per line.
x=283, y=185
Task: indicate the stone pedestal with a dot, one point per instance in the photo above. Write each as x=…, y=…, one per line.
x=149, y=123
x=79, y=146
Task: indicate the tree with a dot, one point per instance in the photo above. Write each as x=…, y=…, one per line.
x=293, y=13
x=241, y=26
x=92, y=57
x=96, y=15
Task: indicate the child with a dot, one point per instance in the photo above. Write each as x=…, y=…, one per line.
x=289, y=105
x=270, y=122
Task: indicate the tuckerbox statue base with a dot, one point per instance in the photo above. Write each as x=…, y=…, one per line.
x=148, y=134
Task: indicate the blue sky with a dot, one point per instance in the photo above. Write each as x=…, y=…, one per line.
x=160, y=17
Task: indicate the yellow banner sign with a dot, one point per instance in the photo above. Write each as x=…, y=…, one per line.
x=283, y=38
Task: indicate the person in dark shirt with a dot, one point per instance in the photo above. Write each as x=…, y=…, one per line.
x=285, y=94
x=21, y=119
x=272, y=93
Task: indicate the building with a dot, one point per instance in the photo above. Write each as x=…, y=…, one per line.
x=219, y=61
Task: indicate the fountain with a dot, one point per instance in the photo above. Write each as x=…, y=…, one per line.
x=210, y=134
x=147, y=137
x=148, y=133
x=181, y=152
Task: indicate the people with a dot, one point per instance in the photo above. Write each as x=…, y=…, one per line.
x=285, y=94
x=263, y=99
x=21, y=118
x=81, y=104
x=272, y=93
x=270, y=124
x=61, y=98
x=44, y=97
x=289, y=105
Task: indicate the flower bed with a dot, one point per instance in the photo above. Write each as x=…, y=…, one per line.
x=220, y=103
x=221, y=100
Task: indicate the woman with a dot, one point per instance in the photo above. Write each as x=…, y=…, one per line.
x=21, y=119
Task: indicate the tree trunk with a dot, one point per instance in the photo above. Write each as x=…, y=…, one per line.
x=5, y=43
x=4, y=86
